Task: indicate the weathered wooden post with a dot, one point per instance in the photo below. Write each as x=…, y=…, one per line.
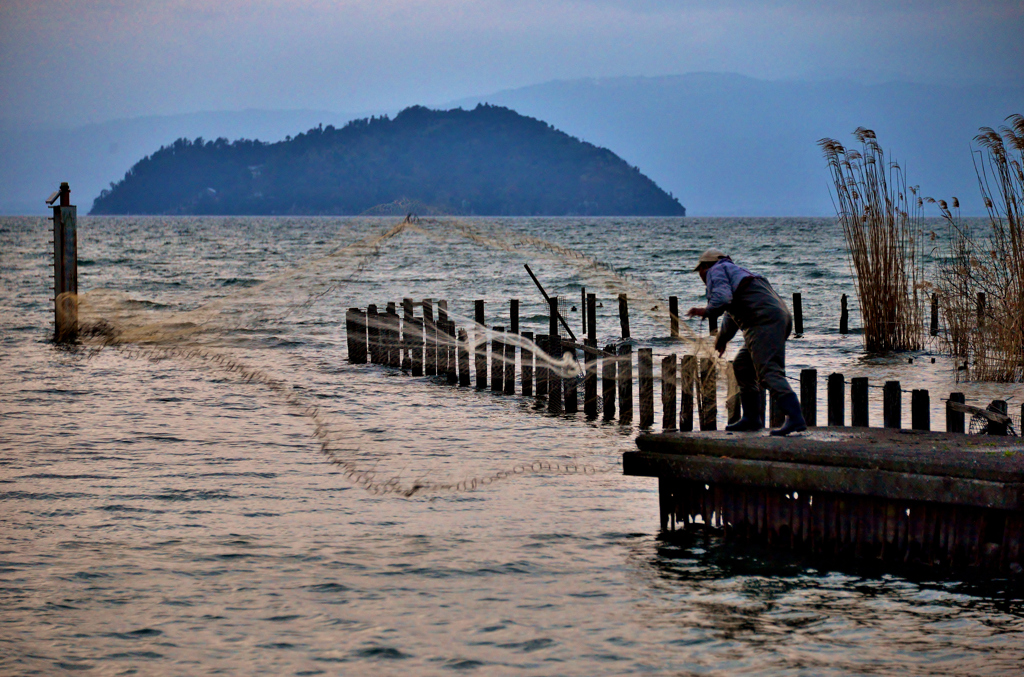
x=65, y=265
x=406, y=334
x=497, y=361
x=608, y=381
x=798, y=313
x=859, y=402
x=809, y=396
x=543, y=372
x=668, y=392
x=645, y=374
x=836, y=400
x=463, y=359
x=625, y=368
x=687, y=383
x=481, y=345
x=997, y=427
x=373, y=333
x=350, y=334
x=708, y=403
x=712, y=325
x=555, y=351
x=892, y=405
x=416, y=345
x=443, y=339
x=955, y=419
x=430, y=339
x=394, y=354
x=624, y=315
x=452, y=371
x=733, y=406
x=920, y=410
x=673, y=316
x=844, y=316
x=583, y=311
x=981, y=309
x=935, y=315
x=527, y=358
x=361, y=342
x=590, y=377
x=510, y=348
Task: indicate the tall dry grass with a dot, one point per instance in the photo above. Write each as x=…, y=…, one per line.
x=882, y=225
x=989, y=260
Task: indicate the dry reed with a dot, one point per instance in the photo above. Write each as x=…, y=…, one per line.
x=991, y=262
x=882, y=225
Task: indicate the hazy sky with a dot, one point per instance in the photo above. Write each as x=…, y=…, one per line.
x=78, y=61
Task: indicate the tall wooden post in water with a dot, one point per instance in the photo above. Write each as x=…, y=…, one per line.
x=65, y=265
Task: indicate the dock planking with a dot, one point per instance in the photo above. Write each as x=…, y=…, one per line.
x=906, y=495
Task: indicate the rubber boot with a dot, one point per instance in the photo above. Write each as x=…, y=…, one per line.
x=794, y=416
x=750, y=405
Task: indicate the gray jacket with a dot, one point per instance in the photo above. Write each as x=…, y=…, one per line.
x=723, y=280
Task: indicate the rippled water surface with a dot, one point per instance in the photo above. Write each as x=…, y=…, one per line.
x=162, y=516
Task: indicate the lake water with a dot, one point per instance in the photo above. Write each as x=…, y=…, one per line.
x=159, y=515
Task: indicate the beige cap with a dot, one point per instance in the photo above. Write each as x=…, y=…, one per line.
x=709, y=256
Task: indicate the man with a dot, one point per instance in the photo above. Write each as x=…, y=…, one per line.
x=751, y=305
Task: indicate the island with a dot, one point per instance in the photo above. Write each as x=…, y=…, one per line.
x=488, y=161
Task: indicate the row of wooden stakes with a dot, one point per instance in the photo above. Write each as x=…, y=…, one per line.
x=429, y=346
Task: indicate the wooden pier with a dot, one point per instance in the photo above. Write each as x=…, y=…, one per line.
x=907, y=496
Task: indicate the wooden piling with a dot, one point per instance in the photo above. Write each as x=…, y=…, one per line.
x=955, y=419
x=543, y=372
x=65, y=267
x=527, y=366
x=809, y=396
x=892, y=405
x=480, y=352
x=393, y=332
x=625, y=373
x=935, y=315
x=668, y=392
x=555, y=352
x=406, y=334
x=920, y=410
x=712, y=325
x=416, y=346
x=624, y=315
x=608, y=381
x=708, y=402
x=798, y=313
x=497, y=361
x=452, y=371
x=859, y=402
x=836, y=400
x=981, y=309
x=583, y=311
x=844, y=316
x=591, y=361
x=372, y=333
x=645, y=375
x=462, y=351
x=673, y=316
x=429, y=339
x=996, y=427
x=687, y=383
x=510, y=348
x=733, y=407
x=776, y=417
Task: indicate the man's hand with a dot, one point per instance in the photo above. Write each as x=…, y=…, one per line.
x=695, y=312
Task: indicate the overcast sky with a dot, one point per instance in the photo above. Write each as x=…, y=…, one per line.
x=76, y=61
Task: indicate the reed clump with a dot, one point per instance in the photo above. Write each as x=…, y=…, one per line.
x=882, y=224
x=989, y=259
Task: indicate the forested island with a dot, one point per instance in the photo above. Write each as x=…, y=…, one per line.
x=486, y=161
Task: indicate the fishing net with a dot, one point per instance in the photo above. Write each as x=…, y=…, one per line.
x=208, y=337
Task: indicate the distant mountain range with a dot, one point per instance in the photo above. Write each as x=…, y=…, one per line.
x=486, y=161
x=724, y=144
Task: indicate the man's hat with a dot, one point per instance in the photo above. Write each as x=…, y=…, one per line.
x=709, y=256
